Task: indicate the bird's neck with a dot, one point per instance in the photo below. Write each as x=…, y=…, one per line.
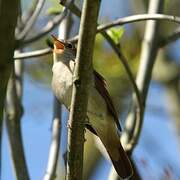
x=64, y=58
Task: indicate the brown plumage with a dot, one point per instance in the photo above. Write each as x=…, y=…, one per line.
x=100, y=84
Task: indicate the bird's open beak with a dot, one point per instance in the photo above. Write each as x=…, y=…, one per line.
x=58, y=45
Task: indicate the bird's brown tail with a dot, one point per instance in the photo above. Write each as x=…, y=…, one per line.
x=118, y=156
x=122, y=164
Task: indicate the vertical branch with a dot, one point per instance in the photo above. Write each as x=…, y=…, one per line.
x=82, y=82
x=8, y=19
x=55, y=142
x=13, y=120
x=89, y=162
x=56, y=126
x=149, y=51
x=133, y=124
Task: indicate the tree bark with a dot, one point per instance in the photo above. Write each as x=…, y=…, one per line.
x=82, y=82
x=8, y=19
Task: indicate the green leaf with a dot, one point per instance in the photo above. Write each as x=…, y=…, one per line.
x=53, y=11
x=116, y=33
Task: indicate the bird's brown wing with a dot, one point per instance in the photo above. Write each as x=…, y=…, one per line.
x=100, y=84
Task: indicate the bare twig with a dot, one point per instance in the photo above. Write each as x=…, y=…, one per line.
x=55, y=143
x=13, y=120
x=31, y=21
x=121, y=21
x=56, y=130
x=82, y=82
x=26, y=15
x=49, y=27
x=33, y=54
x=136, y=18
x=131, y=19
x=101, y=28
x=170, y=38
x=148, y=55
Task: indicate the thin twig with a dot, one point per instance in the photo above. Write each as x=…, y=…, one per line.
x=148, y=55
x=55, y=142
x=82, y=83
x=48, y=28
x=31, y=21
x=136, y=18
x=32, y=54
x=132, y=19
x=170, y=38
x=26, y=15
x=101, y=28
x=121, y=21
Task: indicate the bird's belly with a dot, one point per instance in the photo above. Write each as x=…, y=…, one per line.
x=63, y=92
x=62, y=87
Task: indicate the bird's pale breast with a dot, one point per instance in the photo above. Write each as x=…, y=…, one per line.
x=62, y=82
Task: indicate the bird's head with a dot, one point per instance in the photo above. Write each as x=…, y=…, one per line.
x=63, y=51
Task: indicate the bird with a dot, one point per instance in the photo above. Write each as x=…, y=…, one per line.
x=102, y=119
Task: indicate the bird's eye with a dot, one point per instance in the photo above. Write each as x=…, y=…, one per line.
x=69, y=45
